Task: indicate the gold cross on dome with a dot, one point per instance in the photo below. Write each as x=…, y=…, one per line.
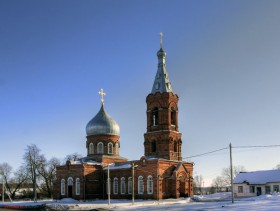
x=161, y=35
x=102, y=93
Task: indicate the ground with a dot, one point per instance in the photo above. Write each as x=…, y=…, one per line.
x=220, y=201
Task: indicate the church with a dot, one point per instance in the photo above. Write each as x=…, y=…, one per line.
x=159, y=174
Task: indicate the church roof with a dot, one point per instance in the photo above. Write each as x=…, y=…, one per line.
x=102, y=124
x=161, y=82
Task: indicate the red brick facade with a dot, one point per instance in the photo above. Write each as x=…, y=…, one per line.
x=159, y=174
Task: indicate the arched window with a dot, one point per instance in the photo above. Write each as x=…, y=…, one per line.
x=77, y=186
x=175, y=146
x=140, y=185
x=129, y=185
x=116, y=185
x=90, y=149
x=155, y=117
x=150, y=185
x=70, y=181
x=100, y=148
x=110, y=148
x=62, y=186
x=173, y=116
x=117, y=148
x=154, y=146
x=122, y=185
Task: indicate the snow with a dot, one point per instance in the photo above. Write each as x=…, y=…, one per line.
x=218, y=201
x=258, y=177
x=124, y=166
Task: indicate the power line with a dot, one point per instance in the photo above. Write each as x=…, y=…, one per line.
x=263, y=146
x=206, y=153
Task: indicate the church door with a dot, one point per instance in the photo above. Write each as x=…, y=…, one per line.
x=182, y=189
x=69, y=186
x=70, y=191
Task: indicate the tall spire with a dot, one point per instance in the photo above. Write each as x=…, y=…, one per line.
x=161, y=82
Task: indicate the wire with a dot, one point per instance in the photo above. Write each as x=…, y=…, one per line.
x=257, y=146
x=206, y=153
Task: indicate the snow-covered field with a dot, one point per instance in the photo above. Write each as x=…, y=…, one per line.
x=219, y=201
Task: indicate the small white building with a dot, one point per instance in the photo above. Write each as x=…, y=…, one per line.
x=256, y=183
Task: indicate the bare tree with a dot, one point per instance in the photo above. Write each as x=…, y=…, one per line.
x=218, y=183
x=33, y=160
x=198, y=181
x=16, y=182
x=48, y=172
x=5, y=171
x=277, y=167
x=226, y=173
x=74, y=156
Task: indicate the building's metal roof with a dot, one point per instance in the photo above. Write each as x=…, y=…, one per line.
x=102, y=124
x=161, y=83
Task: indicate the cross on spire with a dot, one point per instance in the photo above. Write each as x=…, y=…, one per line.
x=102, y=93
x=161, y=35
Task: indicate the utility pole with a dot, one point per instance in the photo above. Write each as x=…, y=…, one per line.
x=231, y=173
x=133, y=166
x=108, y=184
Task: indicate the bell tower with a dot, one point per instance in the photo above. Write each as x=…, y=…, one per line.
x=162, y=139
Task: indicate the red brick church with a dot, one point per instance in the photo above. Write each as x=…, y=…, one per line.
x=159, y=174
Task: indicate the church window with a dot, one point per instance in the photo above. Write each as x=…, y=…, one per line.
x=150, y=185
x=62, y=186
x=155, y=117
x=175, y=146
x=110, y=148
x=100, y=148
x=116, y=185
x=129, y=185
x=70, y=181
x=140, y=185
x=173, y=117
x=90, y=151
x=117, y=148
x=77, y=186
x=154, y=146
x=122, y=185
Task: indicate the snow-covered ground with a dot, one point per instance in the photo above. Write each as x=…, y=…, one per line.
x=219, y=201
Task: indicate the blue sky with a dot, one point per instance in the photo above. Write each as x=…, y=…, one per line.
x=222, y=59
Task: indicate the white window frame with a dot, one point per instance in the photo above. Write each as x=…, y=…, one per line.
x=78, y=186
x=116, y=185
x=62, y=187
x=122, y=185
x=100, y=148
x=150, y=184
x=110, y=148
x=129, y=185
x=140, y=185
x=91, y=149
